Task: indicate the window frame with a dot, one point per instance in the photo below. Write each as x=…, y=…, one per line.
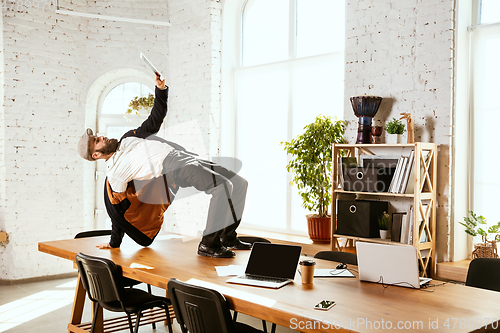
x=232, y=65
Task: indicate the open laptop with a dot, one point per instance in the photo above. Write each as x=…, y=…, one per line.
x=270, y=265
x=389, y=264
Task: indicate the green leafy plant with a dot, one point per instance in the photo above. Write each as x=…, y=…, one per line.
x=473, y=225
x=383, y=221
x=311, y=162
x=139, y=103
x=395, y=126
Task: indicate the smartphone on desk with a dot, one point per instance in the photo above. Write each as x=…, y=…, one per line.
x=324, y=305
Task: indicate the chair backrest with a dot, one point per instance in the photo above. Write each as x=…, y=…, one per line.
x=93, y=233
x=484, y=273
x=101, y=278
x=345, y=257
x=252, y=239
x=198, y=309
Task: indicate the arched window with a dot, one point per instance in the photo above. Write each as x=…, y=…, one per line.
x=283, y=67
x=113, y=122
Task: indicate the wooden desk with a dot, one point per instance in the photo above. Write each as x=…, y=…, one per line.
x=361, y=306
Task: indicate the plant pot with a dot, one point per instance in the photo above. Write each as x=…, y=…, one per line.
x=384, y=234
x=485, y=251
x=319, y=228
x=393, y=138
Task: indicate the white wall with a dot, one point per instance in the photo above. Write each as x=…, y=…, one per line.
x=402, y=50
x=51, y=61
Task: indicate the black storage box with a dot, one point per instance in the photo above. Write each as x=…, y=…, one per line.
x=367, y=179
x=360, y=217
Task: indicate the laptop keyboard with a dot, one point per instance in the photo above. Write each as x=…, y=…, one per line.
x=262, y=278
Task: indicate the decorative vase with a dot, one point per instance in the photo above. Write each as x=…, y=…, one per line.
x=384, y=234
x=365, y=108
x=319, y=228
x=393, y=138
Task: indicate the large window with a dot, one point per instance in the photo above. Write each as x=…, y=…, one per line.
x=289, y=69
x=486, y=110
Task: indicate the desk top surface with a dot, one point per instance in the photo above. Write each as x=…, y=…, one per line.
x=361, y=306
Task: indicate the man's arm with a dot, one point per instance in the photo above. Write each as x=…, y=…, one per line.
x=153, y=123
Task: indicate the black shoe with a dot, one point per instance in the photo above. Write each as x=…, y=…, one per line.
x=237, y=245
x=215, y=252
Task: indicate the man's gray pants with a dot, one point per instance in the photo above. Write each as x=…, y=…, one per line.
x=228, y=192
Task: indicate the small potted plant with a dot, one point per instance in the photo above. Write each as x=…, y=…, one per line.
x=311, y=165
x=487, y=248
x=394, y=128
x=383, y=225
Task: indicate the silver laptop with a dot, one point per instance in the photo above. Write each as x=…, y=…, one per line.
x=389, y=264
x=270, y=265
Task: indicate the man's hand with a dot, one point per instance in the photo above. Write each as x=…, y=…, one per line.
x=159, y=83
x=104, y=246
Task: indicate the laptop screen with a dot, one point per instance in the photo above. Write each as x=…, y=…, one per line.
x=273, y=260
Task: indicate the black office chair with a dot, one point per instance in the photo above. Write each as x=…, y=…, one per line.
x=252, y=239
x=345, y=257
x=203, y=310
x=127, y=282
x=102, y=280
x=93, y=233
x=484, y=273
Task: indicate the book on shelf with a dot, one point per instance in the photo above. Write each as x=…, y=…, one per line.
x=399, y=174
x=409, y=240
x=392, y=185
x=409, y=168
x=406, y=229
x=397, y=219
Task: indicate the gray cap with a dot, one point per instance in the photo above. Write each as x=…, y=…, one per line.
x=83, y=145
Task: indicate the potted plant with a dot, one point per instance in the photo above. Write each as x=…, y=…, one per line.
x=383, y=225
x=311, y=165
x=140, y=103
x=395, y=128
x=487, y=248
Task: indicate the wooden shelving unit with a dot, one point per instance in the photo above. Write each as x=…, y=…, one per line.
x=424, y=195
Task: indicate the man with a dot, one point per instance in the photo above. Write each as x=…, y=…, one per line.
x=145, y=171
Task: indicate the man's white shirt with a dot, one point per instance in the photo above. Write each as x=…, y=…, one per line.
x=138, y=159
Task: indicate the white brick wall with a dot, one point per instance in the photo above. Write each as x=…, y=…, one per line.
x=402, y=50
x=51, y=61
